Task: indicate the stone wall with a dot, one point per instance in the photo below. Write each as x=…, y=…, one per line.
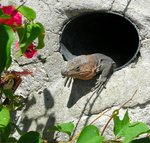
x=49, y=102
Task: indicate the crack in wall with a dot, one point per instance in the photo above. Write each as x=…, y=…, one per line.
x=49, y=8
x=112, y=5
x=126, y=8
x=38, y=60
x=140, y=105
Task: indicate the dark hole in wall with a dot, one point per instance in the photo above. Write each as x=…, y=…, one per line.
x=102, y=32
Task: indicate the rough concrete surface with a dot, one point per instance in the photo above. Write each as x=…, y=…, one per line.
x=49, y=102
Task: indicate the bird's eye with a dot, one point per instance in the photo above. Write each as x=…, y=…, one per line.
x=77, y=68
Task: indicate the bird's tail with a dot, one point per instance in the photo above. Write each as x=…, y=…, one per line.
x=65, y=52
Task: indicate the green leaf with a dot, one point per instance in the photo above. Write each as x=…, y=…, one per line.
x=31, y=32
x=5, y=133
x=6, y=40
x=129, y=131
x=21, y=31
x=120, y=125
x=90, y=134
x=64, y=127
x=27, y=12
x=1, y=12
x=16, y=104
x=97, y=139
x=12, y=140
x=142, y=140
x=41, y=37
x=20, y=132
x=4, y=16
x=134, y=130
x=4, y=117
x=9, y=61
x=30, y=137
x=8, y=93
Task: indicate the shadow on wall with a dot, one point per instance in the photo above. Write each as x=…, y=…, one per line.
x=79, y=89
x=50, y=121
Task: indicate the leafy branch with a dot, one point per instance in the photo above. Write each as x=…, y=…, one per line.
x=129, y=131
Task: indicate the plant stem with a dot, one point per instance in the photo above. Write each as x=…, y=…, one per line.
x=111, y=117
x=74, y=138
x=127, y=100
x=117, y=111
x=100, y=115
x=112, y=141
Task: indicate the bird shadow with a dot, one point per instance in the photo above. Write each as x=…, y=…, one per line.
x=89, y=103
x=79, y=89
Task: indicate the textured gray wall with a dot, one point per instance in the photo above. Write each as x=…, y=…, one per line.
x=49, y=102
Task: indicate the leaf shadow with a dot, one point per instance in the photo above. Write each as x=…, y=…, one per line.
x=48, y=119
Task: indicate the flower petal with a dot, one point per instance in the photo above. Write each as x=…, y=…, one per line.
x=30, y=52
x=16, y=17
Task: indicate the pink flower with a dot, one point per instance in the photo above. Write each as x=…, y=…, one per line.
x=16, y=17
x=30, y=52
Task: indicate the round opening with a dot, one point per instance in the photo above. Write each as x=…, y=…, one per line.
x=102, y=32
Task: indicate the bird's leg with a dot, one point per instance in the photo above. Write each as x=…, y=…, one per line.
x=101, y=82
x=68, y=81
